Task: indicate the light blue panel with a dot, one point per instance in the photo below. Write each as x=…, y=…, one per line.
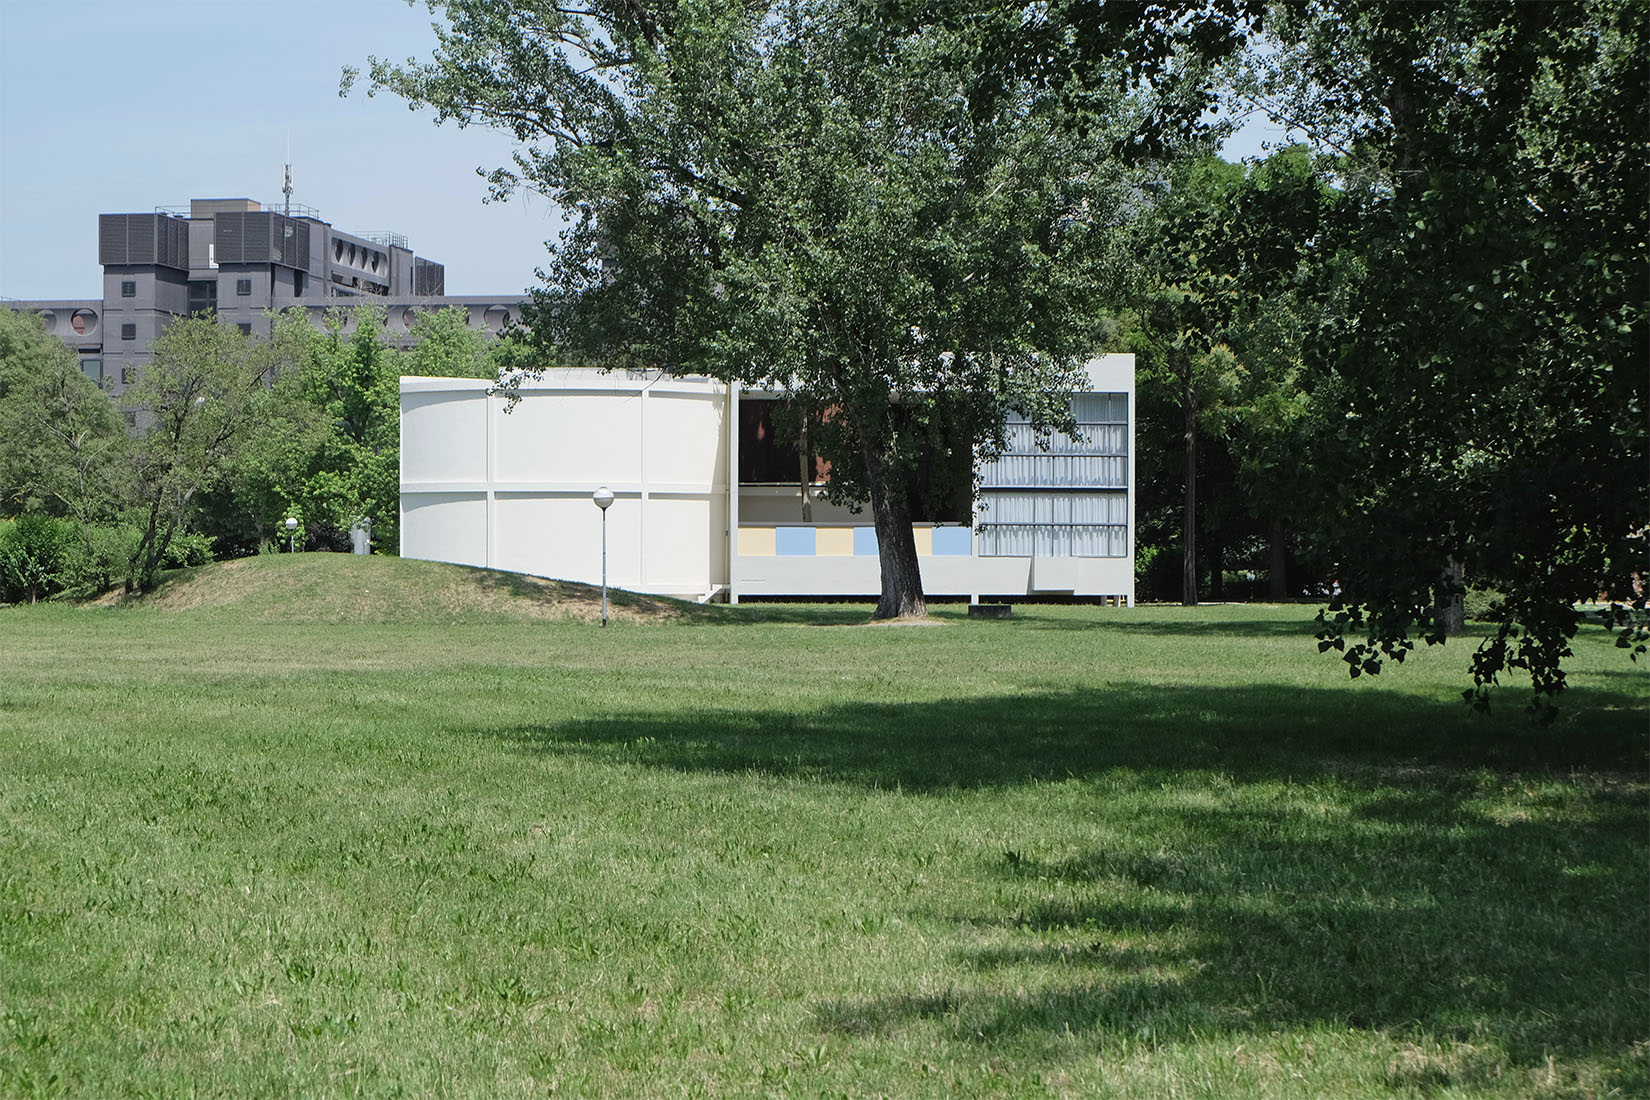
x=956, y=542
x=865, y=542
x=795, y=542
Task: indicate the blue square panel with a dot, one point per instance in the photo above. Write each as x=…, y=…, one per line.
x=956, y=542
x=795, y=542
x=865, y=542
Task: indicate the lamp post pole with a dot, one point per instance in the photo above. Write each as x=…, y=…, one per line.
x=291, y=535
x=604, y=500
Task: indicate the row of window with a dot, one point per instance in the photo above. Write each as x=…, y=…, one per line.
x=1060, y=495
x=243, y=288
x=129, y=331
x=93, y=369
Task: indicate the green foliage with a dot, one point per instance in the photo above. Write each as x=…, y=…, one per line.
x=868, y=213
x=63, y=446
x=34, y=551
x=325, y=446
x=202, y=391
x=1480, y=399
x=1230, y=261
x=445, y=346
x=102, y=555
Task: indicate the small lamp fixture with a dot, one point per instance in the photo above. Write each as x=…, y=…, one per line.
x=291, y=535
x=604, y=500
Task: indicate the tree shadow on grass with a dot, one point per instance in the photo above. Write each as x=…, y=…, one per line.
x=1417, y=916
x=1415, y=897
x=1285, y=624
x=1261, y=731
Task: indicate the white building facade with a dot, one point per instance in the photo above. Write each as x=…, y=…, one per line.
x=701, y=510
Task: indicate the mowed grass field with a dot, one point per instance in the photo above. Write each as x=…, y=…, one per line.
x=351, y=832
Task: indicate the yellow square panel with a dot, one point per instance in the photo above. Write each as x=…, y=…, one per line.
x=756, y=542
x=925, y=541
x=834, y=542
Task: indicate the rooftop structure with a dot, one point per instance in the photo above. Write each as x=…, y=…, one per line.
x=240, y=259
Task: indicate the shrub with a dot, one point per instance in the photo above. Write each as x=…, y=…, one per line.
x=34, y=551
x=100, y=558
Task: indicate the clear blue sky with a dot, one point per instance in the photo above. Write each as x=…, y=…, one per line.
x=119, y=106
x=116, y=106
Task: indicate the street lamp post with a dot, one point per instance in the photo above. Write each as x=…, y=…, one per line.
x=604, y=500
x=291, y=535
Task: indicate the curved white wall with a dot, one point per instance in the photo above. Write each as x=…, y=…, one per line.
x=511, y=490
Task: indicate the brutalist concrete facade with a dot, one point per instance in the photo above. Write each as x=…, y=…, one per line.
x=241, y=260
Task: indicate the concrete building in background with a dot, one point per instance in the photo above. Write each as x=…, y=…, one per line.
x=708, y=505
x=239, y=259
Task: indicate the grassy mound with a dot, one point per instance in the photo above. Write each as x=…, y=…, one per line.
x=355, y=588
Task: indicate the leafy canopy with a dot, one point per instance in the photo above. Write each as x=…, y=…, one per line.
x=869, y=214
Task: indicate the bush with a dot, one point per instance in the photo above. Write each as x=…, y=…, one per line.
x=187, y=549
x=34, y=551
x=101, y=556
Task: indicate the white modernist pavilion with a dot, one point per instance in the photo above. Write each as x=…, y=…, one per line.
x=707, y=506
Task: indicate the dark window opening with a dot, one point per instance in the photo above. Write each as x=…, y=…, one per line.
x=243, y=288
x=128, y=376
x=939, y=490
x=246, y=329
x=203, y=295
x=128, y=288
x=128, y=332
x=768, y=453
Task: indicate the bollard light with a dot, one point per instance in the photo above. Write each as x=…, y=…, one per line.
x=291, y=535
x=604, y=500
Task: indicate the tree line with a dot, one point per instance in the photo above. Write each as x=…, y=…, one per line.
x=236, y=434
x=1408, y=356
x=1402, y=357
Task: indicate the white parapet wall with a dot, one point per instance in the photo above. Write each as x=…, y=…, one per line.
x=511, y=490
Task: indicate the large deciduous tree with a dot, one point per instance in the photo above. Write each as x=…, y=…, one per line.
x=1229, y=255
x=1480, y=384
x=841, y=200
x=63, y=445
x=201, y=392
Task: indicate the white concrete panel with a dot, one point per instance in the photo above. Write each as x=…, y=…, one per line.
x=685, y=544
x=444, y=437
x=685, y=443
x=444, y=527
x=571, y=437
x=1111, y=373
x=561, y=537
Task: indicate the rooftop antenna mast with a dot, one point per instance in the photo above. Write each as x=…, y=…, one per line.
x=286, y=177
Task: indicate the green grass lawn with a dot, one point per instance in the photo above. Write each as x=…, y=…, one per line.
x=765, y=851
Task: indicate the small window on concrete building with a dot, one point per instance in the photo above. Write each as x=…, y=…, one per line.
x=93, y=369
x=246, y=329
x=243, y=288
x=203, y=295
x=128, y=332
x=128, y=288
x=130, y=418
x=128, y=376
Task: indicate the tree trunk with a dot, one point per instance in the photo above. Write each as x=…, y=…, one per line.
x=1452, y=616
x=1217, y=567
x=896, y=546
x=1188, y=522
x=805, y=460
x=1277, y=574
